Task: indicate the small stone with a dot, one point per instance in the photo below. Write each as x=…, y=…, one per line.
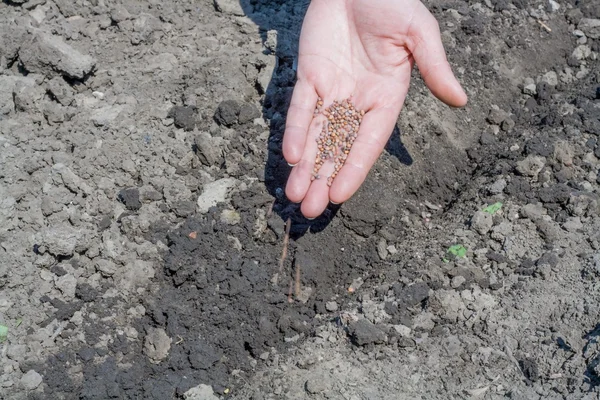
x=131, y=198
x=573, y=224
x=482, y=222
x=331, y=306
x=496, y=115
x=106, y=267
x=533, y=211
x=209, y=149
x=531, y=166
x=232, y=7
x=31, y=380
x=67, y=285
x=413, y=294
x=382, y=249
x=551, y=78
x=316, y=385
x=184, y=117
x=71, y=180
x=553, y=6
x=530, y=89
x=248, y=113
x=105, y=115
x=498, y=186
x=230, y=217
x=227, y=112
x=402, y=330
x=215, y=192
x=591, y=27
x=119, y=14
x=184, y=208
x=363, y=332
x=61, y=91
x=200, y=392
x=157, y=344
x=457, y=281
x=87, y=354
x=563, y=153
x=48, y=54
x=64, y=240
x=581, y=52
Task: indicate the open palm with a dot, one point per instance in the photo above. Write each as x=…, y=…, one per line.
x=365, y=49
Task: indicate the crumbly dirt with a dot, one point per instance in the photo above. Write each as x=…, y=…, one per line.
x=143, y=215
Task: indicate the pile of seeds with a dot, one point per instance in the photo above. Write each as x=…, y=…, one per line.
x=339, y=133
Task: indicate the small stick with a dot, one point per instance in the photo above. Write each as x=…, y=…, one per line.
x=286, y=240
x=270, y=210
x=297, y=280
x=546, y=27
x=290, y=299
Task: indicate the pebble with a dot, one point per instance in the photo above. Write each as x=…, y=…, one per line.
x=209, y=149
x=402, y=330
x=530, y=87
x=551, y=78
x=106, y=267
x=331, y=306
x=67, y=285
x=382, y=249
x=364, y=332
x=230, y=217
x=215, y=192
x=498, y=186
x=232, y=7
x=105, y=115
x=531, y=166
x=316, y=385
x=31, y=380
x=482, y=222
x=413, y=294
x=573, y=224
x=533, y=211
x=591, y=27
x=200, y=392
x=457, y=281
x=227, y=112
x=46, y=53
x=581, y=52
x=62, y=240
x=157, y=344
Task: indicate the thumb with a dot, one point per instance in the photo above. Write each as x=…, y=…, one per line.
x=428, y=51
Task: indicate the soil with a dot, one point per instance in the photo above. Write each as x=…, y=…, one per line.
x=143, y=215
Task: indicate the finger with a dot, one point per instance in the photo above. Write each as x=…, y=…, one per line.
x=299, y=116
x=374, y=132
x=300, y=178
x=427, y=49
x=317, y=197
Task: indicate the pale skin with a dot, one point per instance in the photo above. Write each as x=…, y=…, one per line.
x=365, y=49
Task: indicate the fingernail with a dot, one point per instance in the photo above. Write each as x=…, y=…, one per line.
x=310, y=219
x=333, y=202
x=292, y=165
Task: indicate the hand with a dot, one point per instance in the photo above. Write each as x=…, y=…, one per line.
x=365, y=49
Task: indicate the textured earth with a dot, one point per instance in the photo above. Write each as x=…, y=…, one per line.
x=143, y=219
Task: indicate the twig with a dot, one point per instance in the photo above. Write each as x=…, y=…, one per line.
x=297, y=280
x=546, y=27
x=286, y=240
x=270, y=210
x=290, y=299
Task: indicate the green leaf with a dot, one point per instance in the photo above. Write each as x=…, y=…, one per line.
x=18, y=322
x=3, y=333
x=457, y=250
x=493, y=209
